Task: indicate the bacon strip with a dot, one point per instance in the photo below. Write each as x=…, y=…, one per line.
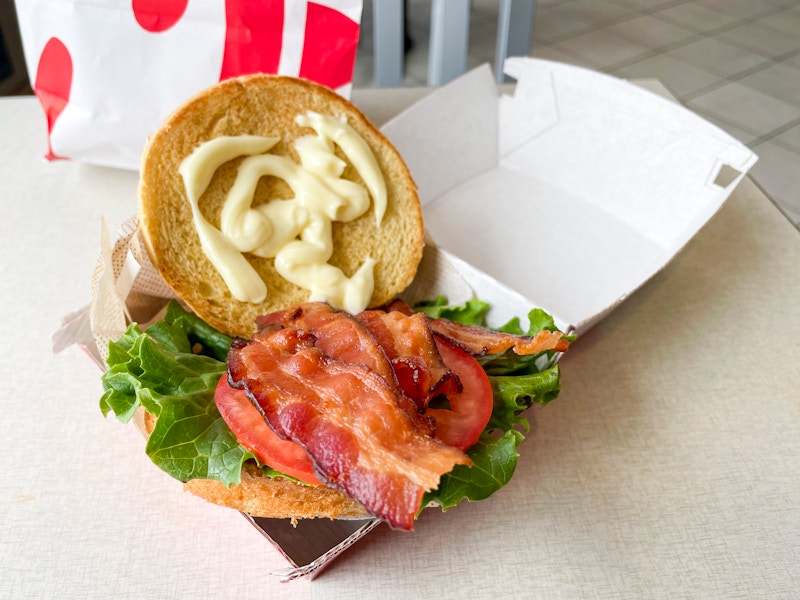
x=398, y=305
x=278, y=317
x=347, y=419
x=479, y=341
x=408, y=343
x=340, y=336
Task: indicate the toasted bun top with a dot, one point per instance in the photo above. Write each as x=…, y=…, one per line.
x=266, y=105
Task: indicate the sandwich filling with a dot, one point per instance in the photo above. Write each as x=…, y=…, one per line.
x=321, y=379
x=325, y=397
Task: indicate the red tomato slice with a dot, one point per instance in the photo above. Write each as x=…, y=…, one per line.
x=461, y=425
x=253, y=433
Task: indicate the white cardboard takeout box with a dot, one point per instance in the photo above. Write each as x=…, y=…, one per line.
x=567, y=196
x=572, y=192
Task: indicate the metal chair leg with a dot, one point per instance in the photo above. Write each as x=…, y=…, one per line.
x=388, y=41
x=514, y=32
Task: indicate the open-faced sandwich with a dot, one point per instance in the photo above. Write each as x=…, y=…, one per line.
x=289, y=378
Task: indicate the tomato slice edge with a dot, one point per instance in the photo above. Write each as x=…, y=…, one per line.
x=252, y=432
x=470, y=409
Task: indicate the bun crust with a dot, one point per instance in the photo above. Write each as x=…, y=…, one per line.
x=261, y=496
x=266, y=105
x=277, y=498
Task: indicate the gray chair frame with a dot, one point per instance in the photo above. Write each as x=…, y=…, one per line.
x=449, y=38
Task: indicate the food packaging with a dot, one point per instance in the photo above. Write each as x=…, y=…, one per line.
x=573, y=191
x=567, y=195
x=108, y=72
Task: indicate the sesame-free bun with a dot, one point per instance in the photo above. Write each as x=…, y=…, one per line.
x=266, y=105
x=277, y=498
x=262, y=496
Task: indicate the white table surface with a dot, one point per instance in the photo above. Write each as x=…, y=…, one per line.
x=669, y=467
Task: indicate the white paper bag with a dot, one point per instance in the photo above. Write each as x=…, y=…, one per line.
x=108, y=72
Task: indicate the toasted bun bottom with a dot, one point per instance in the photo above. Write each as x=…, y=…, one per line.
x=277, y=498
x=262, y=496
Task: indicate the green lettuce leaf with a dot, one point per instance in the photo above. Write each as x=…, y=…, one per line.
x=472, y=312
x=171, y=370
x=517, y=383
x=494, y=460
x=515, y=394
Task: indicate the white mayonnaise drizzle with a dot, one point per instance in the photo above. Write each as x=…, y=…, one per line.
x=296, y=232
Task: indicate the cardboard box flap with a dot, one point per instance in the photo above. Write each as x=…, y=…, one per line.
x=592, y=185
x=639, y=157
x=541, y=248
x=450, y=136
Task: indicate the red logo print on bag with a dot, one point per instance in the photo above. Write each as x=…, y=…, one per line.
x=156, y=16
x=254, y=41
x=52, y=85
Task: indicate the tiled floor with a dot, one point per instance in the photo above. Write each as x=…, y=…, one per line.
x=735, y=62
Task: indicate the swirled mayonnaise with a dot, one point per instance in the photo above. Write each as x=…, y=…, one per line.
x=296, y=232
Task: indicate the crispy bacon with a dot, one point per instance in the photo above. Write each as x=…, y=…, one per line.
x=398, y=305
x=346, y=417
x=408, y=343
x=479, y=341
x=278, y=317
x=340, y=336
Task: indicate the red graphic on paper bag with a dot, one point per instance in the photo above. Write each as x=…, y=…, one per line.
x=331, y=43
x=53, y=84
x=253, y=37
x=156, y=16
